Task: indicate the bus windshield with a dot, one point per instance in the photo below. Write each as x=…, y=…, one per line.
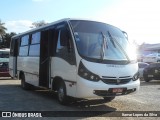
x=101, y=41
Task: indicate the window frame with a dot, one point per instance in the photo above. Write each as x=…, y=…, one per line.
x=24, y=45
x=34, y=44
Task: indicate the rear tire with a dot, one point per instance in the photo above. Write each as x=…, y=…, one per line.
x=108, y=99
x=62, y=97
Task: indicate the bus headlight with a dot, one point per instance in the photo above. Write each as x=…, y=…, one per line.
x=136, y=76
x=86, y=74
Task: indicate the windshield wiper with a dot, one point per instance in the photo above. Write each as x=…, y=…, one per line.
x=111, y=38
x=103, y=47
x=115, y=41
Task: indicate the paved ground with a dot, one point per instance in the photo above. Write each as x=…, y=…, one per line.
x=13, y=98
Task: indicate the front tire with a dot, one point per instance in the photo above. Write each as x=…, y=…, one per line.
x=108, y=99
x=62, y=97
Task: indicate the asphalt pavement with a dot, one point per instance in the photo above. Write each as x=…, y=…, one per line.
x=13, y=98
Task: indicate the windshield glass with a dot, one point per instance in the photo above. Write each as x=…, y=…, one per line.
x=101, y=41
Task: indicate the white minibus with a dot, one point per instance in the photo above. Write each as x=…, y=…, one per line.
x=77, y=59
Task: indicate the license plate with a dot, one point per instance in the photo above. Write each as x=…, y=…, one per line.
x=117, y=90
x=150, y=75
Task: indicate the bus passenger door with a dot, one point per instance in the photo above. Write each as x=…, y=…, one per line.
x=44, y=72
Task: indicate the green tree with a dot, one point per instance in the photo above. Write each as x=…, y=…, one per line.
x=7, y=39
x=2, y=28
x=38, y=24
x=2, y=32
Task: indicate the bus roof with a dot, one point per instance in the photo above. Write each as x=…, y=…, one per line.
x=50, y=24
x=42, y=27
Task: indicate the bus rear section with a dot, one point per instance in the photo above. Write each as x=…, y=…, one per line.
x=76, y=58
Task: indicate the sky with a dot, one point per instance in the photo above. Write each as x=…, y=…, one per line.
x=139, y=18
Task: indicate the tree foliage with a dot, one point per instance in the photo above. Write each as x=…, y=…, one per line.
x=7, y=39
x=38, y=24
x=2, y=33
x=2, y=28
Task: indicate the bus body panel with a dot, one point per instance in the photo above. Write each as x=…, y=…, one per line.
x=112, y=69
x=30, y=67
x=61, y=68
x=11, y=66
x=86, y=88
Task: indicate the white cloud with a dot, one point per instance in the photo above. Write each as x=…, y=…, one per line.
x=138, y=18
x=18, y=26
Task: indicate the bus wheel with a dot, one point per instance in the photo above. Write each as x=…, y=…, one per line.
x=23, y=83
x=62, y=97
x=108, y=99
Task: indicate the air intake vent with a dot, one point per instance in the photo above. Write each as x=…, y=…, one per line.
x=116, y=81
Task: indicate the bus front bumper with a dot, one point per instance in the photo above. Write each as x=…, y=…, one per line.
x=90, y=89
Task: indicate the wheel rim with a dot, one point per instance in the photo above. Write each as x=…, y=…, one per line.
x=61, y=93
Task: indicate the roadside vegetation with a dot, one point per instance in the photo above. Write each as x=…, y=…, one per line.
x=5, y=38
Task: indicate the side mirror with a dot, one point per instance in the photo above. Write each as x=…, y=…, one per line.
x=125, y=34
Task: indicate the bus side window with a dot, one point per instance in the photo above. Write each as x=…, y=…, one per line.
x=64, y=46
x=34, y=49
x=23, y=50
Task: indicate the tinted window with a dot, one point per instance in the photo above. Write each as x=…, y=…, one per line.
x=35, y=38
x=25, y=40
x=61, y=50
x=34, y=50
x=35, y=45
x=64, y=44
x=23, y=51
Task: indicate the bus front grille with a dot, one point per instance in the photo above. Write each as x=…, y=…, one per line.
x=116, y=81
